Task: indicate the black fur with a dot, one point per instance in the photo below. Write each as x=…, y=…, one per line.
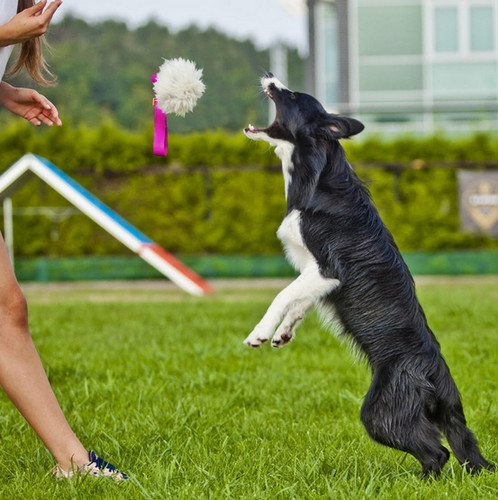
x=413, y=399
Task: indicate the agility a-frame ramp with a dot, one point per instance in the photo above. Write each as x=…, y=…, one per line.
x=123, y=231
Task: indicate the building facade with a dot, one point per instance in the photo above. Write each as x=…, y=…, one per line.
x=414, y=65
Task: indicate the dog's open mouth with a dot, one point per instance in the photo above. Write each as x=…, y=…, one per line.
x=268, y=93
x=267, y=82
x=251, y=129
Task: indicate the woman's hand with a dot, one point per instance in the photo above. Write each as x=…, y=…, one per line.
x=29, y=23
x=29, y=104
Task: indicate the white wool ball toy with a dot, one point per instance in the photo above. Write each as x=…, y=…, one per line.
x=178, y=86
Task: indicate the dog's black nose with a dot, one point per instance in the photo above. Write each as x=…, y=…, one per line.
x=269, y=74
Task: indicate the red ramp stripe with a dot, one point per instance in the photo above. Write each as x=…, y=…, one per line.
x=180, y=267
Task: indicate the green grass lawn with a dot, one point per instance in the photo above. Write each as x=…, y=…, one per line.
x=160, y=384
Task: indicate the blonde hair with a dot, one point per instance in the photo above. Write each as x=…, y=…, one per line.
x=31, y=56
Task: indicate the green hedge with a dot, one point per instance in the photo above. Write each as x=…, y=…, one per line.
x=220, y=193
x=110, y=149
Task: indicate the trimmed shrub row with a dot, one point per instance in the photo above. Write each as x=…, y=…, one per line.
x=220, y=193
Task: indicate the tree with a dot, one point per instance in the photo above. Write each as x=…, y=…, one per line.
x=104, y=72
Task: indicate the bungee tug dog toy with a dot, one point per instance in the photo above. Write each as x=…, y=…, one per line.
x=177, y=87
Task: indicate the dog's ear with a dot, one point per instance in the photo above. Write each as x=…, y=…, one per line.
x=343, y=127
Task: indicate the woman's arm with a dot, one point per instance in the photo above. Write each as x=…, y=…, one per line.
x=29, y=23
x=29, y=104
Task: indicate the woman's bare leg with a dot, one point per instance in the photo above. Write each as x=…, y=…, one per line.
x=23, y=378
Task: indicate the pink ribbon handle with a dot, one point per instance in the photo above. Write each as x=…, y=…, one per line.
x=160, y=144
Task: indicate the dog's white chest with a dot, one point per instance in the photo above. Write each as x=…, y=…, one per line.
x=284, y=151
x=289, y=233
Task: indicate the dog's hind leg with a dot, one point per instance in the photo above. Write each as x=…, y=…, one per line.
x=461, y=439
x=297, y=297
x=450, y=418
x=464, y=445
x=394, y=414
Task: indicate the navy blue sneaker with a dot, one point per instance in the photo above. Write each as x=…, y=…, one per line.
x=95, y=467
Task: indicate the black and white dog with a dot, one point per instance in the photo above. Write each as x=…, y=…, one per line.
x=351, y=268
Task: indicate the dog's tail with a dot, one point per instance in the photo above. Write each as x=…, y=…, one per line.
x=454, y=426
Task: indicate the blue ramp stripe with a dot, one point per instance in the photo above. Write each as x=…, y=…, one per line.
x=95, y=201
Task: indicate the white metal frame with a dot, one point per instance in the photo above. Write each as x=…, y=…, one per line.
x=123, y=231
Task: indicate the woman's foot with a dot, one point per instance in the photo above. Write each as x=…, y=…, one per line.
x=96, y=466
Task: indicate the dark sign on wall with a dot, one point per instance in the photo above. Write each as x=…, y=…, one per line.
x=479, y=201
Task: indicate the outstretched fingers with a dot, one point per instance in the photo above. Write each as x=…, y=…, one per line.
x=43, y=111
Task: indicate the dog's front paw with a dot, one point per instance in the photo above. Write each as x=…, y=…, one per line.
x=286, y=331
x=281, y=338
x=256, y=338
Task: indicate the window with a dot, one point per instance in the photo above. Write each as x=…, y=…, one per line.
x=481, y=29
x=446, y=29
x=328, y=40
x=392, y=77
x=463, y=28
x=464, y=62
x=455, y=76
x=390, y=30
